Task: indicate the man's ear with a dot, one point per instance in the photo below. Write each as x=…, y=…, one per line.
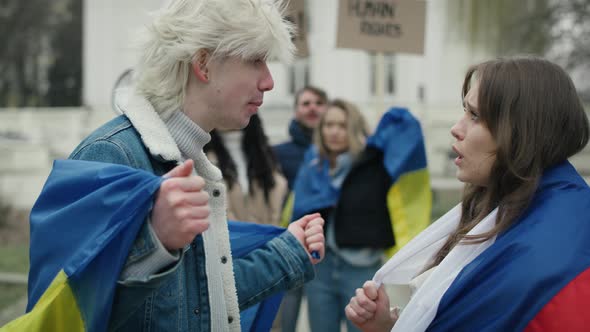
x=200, y=68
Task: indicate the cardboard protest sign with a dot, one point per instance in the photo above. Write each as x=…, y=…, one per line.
x=382, y=25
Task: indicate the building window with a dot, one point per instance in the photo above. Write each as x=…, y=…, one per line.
x=298, y=75
x=388, y=74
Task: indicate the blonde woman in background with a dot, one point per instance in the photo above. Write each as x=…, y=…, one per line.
x=338, y=140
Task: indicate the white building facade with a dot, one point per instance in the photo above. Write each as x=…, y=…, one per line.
x=428, y=84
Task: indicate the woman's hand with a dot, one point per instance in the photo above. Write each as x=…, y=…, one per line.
x=369, y=309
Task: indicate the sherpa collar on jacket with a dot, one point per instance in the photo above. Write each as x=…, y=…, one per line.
x=160, y=143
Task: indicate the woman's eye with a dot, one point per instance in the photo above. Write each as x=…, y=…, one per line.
x=472, y=115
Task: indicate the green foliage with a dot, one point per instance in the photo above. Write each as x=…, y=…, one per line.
x=15, y=258
x=41, y=57
x=556, y=29
x=4, y=213
x=502, y=26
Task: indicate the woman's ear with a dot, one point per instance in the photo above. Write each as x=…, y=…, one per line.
x=200, y=65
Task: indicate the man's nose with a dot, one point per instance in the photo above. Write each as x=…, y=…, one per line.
x=266, y=82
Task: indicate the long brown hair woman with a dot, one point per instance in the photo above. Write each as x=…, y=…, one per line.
x=514, y=255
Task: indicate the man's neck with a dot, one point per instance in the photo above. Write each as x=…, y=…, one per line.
x=300, y=133
x=196, y=108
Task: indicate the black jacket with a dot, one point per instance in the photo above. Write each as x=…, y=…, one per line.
x=361, y=215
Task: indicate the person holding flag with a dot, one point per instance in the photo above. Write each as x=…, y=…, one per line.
x=202, y=67
x=374, y=194
x=514, y=254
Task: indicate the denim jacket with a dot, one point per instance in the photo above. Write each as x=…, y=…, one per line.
x=177, y=297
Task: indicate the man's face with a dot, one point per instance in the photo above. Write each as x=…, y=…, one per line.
x=309, y=109
x=236, y=91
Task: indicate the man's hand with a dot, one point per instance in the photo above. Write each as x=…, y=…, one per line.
x=369, y=309
x=309, y=231
x=181, y=209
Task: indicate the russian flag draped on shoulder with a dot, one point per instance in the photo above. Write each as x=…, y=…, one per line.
x=82, y=228
x=409, y=199
x=535, y=276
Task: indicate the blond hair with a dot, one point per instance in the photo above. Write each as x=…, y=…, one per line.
x=248, y=29
x=356, y=128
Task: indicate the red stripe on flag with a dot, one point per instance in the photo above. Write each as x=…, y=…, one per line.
x=566, y=311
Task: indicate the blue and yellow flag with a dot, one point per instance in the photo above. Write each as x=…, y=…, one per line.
x=82, y=228
x=409, y=200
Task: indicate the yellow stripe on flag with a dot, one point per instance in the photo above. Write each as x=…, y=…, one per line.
x=287, y=212
x=56, y=310
x=409, y=201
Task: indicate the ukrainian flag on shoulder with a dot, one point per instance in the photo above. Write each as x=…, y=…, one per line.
x=82, y=228
x=409, y=199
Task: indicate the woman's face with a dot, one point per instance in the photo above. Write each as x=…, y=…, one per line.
x=334, y=130
x=475, y=146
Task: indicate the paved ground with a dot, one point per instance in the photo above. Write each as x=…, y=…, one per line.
x=302, y=323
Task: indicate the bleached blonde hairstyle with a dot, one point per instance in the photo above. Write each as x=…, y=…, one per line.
x=248, y=29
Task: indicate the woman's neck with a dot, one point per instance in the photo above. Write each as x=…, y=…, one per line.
x=333, y=159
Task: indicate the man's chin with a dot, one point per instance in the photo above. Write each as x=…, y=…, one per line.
x=234, y=126
x=245, y=123
x=312, y=124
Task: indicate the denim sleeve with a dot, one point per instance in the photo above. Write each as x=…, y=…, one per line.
x=279, y=265
x=140, y=267
x=146, y=245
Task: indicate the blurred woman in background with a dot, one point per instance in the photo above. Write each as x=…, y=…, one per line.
x=255, y=188
x=338, y=140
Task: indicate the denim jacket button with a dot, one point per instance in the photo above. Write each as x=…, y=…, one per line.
x=197, y=312
x=230, y=319
x=223, y=259
x=216, y=192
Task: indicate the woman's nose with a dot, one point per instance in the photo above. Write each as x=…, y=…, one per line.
x=457, y=131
